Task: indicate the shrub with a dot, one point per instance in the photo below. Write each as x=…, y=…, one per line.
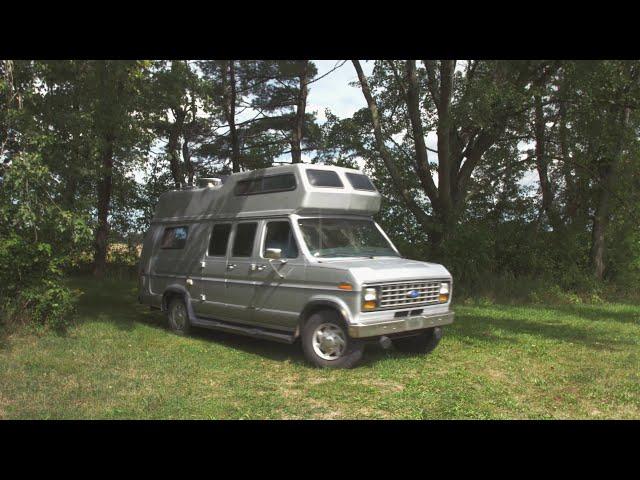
x=45, y=306
x=38, y=239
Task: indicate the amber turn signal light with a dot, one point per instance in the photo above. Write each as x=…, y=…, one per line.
x=443, y=294
x=369, y=305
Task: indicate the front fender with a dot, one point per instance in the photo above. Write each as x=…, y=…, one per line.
x=324, y=301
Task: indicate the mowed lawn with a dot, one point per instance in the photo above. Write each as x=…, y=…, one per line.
x=496, y=361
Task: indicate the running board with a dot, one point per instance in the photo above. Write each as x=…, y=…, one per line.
x=255, y=332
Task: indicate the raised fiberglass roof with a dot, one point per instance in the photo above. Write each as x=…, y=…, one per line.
x=296, y=188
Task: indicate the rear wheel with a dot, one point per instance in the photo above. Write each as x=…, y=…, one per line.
x=326, y=343
x=424, y=342
x=178, y=316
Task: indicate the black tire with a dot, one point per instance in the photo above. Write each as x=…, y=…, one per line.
x=425, y=342
x=177, y=308
x=352, y=349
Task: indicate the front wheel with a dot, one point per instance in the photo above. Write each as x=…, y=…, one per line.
x=326, y=343
x=424, y=342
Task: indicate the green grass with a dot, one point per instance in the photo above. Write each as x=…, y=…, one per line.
x=495, y=361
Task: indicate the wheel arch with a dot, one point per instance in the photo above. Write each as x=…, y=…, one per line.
x=177, y=291
x=322, y=304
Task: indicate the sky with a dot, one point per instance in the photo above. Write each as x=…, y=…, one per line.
x=334, y=91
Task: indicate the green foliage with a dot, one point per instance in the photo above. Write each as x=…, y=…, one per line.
x=46, y=306
x=70, y=129
x=505, y=225
x=38, y=241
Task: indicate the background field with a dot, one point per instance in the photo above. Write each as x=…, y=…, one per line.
x=497, y=361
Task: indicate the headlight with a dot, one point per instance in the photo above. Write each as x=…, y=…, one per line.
x=369, y=298
x=443, y=294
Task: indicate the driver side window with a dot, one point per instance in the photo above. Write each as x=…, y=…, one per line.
x=279, y=235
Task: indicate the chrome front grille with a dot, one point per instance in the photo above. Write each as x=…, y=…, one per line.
x=400, y=295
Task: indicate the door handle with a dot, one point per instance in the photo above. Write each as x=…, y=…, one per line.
x=261, y=267
x=231, y=267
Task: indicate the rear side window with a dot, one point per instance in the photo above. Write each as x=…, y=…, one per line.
x=243, y=242
x=324, y=178
x=360, y=182
x=174, y=237
x=219, y=240
x=279, y=235
x=270, y=184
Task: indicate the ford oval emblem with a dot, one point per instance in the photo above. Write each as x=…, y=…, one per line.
x=413, y=293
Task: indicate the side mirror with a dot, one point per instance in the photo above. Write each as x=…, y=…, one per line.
x=273, y=253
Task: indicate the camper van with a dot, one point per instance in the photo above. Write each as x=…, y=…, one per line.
x=291, y=253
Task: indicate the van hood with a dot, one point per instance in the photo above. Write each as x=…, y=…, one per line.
x=368, y=270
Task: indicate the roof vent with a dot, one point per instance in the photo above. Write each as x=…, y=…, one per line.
x=210, y=182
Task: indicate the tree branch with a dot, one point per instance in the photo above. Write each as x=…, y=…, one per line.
x=421, y=216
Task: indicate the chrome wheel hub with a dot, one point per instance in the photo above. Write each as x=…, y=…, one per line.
x=329, y=341
x=179, y=316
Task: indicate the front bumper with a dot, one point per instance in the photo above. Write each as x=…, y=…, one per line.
x=405, y=324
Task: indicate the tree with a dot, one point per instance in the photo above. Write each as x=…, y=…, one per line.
x=283, y=100
x=468, y=110
x=176, y=101
x=112, y=90
x=226, y=86
x=612, y=95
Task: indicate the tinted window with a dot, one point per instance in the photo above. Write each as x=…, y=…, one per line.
x=279, y=235
x=174, y=237
x=219, y=239
x=324, y=178
x=243, y=242
x=270, y=184
x=360, y=182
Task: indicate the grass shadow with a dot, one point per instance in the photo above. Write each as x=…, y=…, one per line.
x=255, y=346
x=277, y=351
x=624, y=313
x=480, y=326
x=98, y=305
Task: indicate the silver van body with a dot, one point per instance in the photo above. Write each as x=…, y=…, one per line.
x=252, y=290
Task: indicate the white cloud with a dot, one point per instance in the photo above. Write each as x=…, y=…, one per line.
x=334, y=91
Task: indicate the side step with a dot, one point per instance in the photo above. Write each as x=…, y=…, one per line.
x=255, y=332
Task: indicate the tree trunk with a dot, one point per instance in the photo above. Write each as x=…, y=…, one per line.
x=412, y=98
x=601, y=216
x=422, y=218
x=105, y=185
x=572, y=202
x=186, y=155
x=542, y=164
x=69, y=194
x=173, y=146
x=296, y=151
x=443, y=132
x=231, y=117
x=600, y=221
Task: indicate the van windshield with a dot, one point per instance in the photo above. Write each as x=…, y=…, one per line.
x=342, y=237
